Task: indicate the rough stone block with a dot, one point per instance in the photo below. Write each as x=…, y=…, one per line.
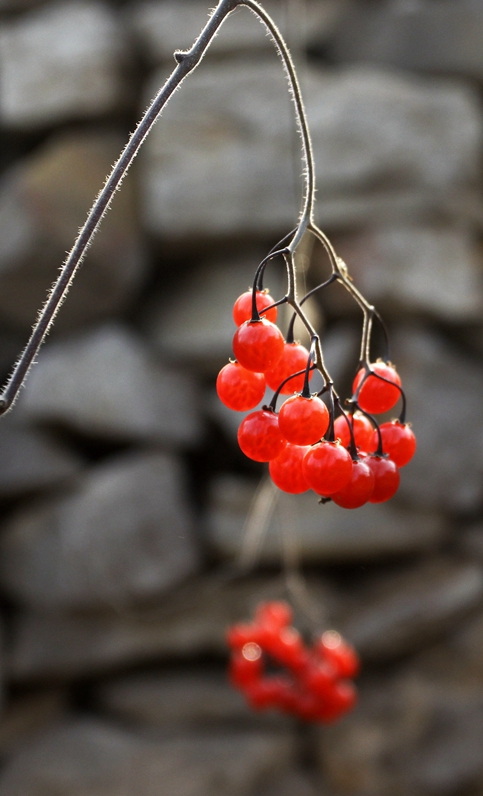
x=59, y=62
x=125, y=534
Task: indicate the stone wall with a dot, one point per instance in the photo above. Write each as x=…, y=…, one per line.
x=123, y=497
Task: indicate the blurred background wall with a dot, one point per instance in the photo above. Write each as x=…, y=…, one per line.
x=123, y=495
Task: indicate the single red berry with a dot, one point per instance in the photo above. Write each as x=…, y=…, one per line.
x=293, y=359
x=320, y=677
x=239, y=635
x=240, y=389
x=398, y=441
x=246, y=666
x=303, y=421
x=307, y=706
x=338, y=653
x=285, y=645
x=242, y=310
x=359, y=489
x=386, y=478
x=341, y=699
x=327, y=467
x=276, y=614
x=286, y=470
x=259, y=436
x=258, y=345
x=375, y=395
x=268, y=693
x=362, y=428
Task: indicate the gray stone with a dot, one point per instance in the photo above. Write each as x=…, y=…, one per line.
x=404, y=612
x=321, y=533
x=124, y=534
x=466, y=645
x=28, y=715
x=88, y=758
x=18, y=5
x=408, y=735
x=418, y=269
x=194, y=324
x=106, y=384
x=220, y=161
x=59, y=62
x=443, y=388
x=294, y=782
x=191, y=623
x=43, y=202
x=470, y=541
x=419, y=35
x=178, y=701
x=161, y=27
x=450, y=759
x=31, y=461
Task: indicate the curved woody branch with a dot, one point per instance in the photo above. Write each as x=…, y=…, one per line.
x=186, y=63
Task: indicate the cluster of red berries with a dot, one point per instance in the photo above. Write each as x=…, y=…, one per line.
x=310, y=683
x=351, y=460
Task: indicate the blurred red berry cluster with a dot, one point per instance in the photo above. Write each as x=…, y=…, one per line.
x=274, y=668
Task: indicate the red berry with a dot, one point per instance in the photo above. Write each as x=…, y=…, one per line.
x=240, y=389
x=258, y=345
x=375, y=395
x=277, y=614
x=327, y=467
x=398, y=441
x=307, y=706
x=269, y=693
x=320, y=677
x=362, y=428
x=285, y=645
x=242, y=310
x=303, y=421
x=293, y=359
x=359, y=489
x=259, y=436
x=386, y=478
x=337, y=652
x=246, y=668
x=286, y=470
x=241, y=634
x=342, y=698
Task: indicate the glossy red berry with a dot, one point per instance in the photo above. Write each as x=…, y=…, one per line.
x=286, y=470
x=239, y=635
x=246, y=665
x=359, y=489
x=303, y=421
x=258, y=345
x=274, y=614
x=286, y=646
x=242, y=310
x=320, y=677
x=268, y=693
x=341, y=699
x=238, y=388
x=375, y=395
x=293, y=359
x=327, y=467
x=259, y=436
x=386, y=478
x=362, y=428
x=398, y=441
x=338, y=653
